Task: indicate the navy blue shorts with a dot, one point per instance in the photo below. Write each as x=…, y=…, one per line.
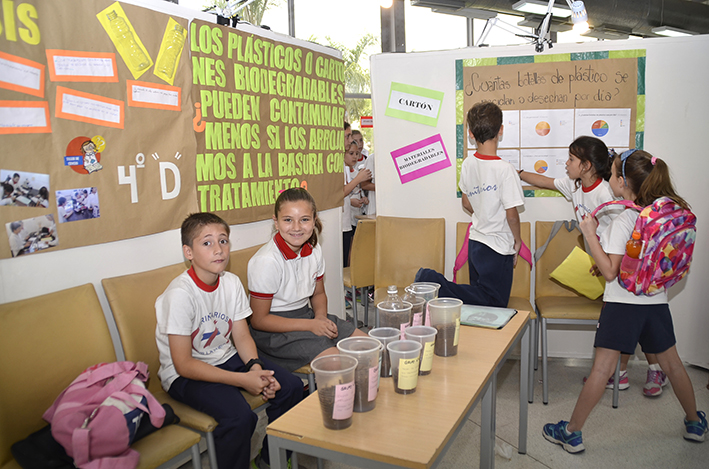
x=622, y=326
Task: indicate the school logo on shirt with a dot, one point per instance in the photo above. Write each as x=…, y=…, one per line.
x=477, y=190
x=213, y=333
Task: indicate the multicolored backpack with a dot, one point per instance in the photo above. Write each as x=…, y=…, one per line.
x=667, y=232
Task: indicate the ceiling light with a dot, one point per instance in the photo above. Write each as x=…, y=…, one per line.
x=672, y=32
x=579, y=16
x=540, y=8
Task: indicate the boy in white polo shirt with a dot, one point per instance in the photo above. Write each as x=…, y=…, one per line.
x=491, y=193
x=207, y=354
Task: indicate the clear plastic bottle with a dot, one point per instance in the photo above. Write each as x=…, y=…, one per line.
x=418, y=305
x=175, y=41
x=124, y=36
x=634, y=246
x=393, y=312
x=393, y=300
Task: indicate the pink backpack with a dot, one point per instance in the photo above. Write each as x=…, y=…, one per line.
x=95, y=418
x=667, y=232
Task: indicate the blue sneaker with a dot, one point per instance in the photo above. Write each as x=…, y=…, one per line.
x=556, y=433
x=695, y=431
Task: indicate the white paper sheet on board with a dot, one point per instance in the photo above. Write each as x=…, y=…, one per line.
x=550, y=162
x=511, y=156
x=510, y=130
x=610, y=125
x=547, y=128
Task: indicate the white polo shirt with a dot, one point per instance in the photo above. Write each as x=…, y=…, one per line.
x=586, y=199
x=286, y=278
x=205, y=313
x=492, y=186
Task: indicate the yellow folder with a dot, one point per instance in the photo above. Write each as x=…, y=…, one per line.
x=575, y=273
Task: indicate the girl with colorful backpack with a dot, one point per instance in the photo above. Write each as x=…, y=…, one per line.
x=630, y=318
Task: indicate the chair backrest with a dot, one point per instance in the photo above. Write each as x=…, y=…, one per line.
x=362, y=254
x=558, y=249
x=46, y=342
x=132, y=299
x=403, y=245
x=522, y=273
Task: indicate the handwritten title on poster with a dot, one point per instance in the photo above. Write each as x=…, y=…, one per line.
x=270, y=118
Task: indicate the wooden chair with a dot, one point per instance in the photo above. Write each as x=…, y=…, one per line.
x=557, y=304
x=360, y=273
x=519, y=295
x=401, y=247
x=46, y=342
x=132, y=300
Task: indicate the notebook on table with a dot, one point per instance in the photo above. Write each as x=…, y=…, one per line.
x=486, y=316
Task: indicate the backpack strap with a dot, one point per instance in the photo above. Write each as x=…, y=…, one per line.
x=626, y=203
x=569, y=225
x=462, y=257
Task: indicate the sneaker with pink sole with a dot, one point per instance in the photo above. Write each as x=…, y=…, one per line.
x=623, y=385
x=656, y=380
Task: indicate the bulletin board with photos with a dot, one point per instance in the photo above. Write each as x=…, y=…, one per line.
x=118, y=121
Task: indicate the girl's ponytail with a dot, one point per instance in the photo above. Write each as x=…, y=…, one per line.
x=649, y=178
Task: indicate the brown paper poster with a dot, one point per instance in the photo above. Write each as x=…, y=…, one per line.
x=548, y=101
x=271, y=119
x=97, y=96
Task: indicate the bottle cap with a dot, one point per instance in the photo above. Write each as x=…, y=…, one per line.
x=392, y=289
x=636, y=234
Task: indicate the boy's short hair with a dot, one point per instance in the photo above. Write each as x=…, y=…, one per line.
x=484, y=121
x=195, y=222
x=61, y=200
x=347, y=125
x=356, y=132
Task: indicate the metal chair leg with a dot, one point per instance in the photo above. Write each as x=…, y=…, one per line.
x=354, y=305
x=196, y=457
x=545, y=381
x=533, y=359
x=211, y=450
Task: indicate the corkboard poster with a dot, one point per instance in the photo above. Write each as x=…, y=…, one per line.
x=550, y=100
x=102, y=134
x=271, y=119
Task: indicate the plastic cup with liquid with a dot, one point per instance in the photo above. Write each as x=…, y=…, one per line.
x=385, y=335
x=404, y=356
x=445, y=317
x=366, y=351
x=335, y=378
x=426, y=336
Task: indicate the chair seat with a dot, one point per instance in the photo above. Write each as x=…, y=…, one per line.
x=562, y=307
x=159, y=447
x=189, y=417
x=522, y=304
x=304, y=370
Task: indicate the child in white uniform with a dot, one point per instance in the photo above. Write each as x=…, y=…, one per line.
x=290, y=323
x=587, y=187
x=491, y=194
x=627, y=319
x=206, y=352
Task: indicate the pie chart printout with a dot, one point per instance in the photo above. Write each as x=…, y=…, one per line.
x=541, y=166
x=599, y=128
x=543, y=128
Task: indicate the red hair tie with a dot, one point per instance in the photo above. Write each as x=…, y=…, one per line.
x=653, y=160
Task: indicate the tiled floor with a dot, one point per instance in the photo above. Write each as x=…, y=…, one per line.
x=642, y=433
